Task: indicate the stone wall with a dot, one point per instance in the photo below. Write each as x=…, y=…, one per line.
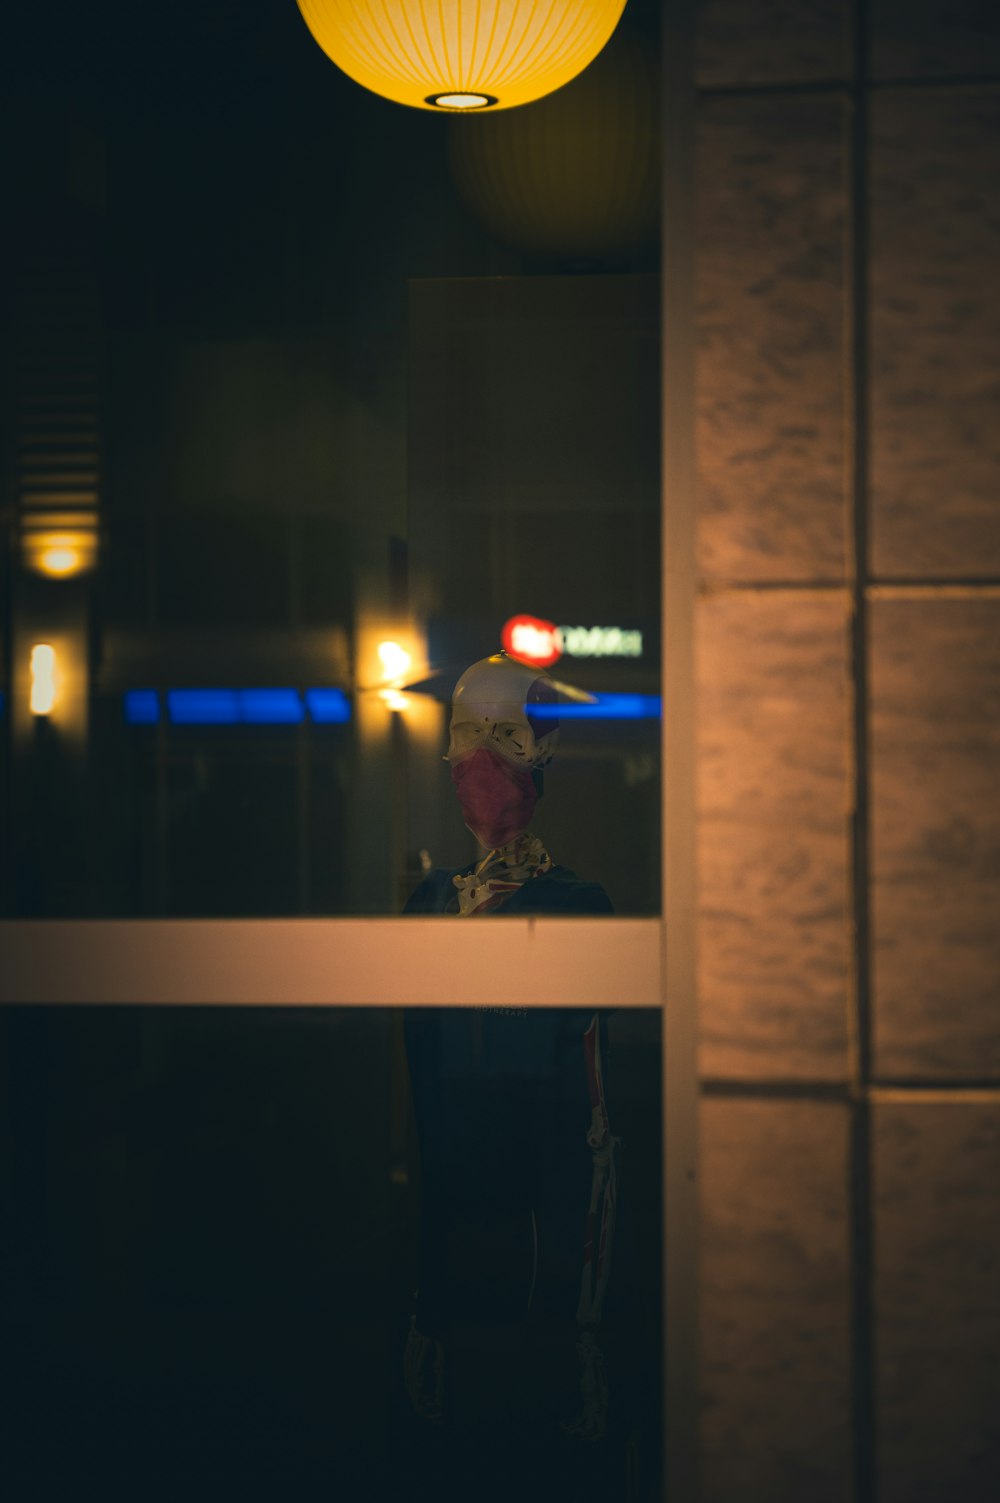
x=848, y=383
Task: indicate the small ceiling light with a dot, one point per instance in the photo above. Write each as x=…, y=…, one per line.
x=461, y=54
x=460, y=101
x=43, y=679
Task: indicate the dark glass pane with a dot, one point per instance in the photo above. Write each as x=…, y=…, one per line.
x=304, y=374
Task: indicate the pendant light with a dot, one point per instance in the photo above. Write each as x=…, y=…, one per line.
x=461, y=55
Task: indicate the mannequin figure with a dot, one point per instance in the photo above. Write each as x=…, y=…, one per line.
x=517, y=1158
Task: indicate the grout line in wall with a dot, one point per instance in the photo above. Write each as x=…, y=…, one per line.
x=958, y=82
x=860, y=1168
x=987, y=589
x=924, y=589
x=775, y=90
x=716, y=1088
x=708, y=588
x=777, y=1090
x=960, y=1093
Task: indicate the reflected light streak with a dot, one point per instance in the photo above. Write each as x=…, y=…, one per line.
x=237, y=706
x=332, y=707
x=608, y=707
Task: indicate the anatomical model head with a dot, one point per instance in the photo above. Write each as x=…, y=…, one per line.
x=498, y=746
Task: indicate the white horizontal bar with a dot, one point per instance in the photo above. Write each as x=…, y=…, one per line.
x=395, y=962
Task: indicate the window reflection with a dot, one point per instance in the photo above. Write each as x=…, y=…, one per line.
x=285, y=443
x=299, y=381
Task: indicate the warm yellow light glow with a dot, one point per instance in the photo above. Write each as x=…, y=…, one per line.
x=393, y=700
x=60, y=561
x=498, y=52
x=395, y=660
x=60, y=555
x=43, y=679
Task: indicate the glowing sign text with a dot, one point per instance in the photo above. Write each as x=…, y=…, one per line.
x=541, y=643
x=600, y=642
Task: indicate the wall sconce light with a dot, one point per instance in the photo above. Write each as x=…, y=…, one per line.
x=395, y=661
x=60, y=553
x=43, y=679
x=461, y=55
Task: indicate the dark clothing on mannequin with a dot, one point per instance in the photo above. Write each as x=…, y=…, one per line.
x=501, y=1100
x=554, y=893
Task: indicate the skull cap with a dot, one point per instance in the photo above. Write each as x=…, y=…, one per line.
x=502, y=689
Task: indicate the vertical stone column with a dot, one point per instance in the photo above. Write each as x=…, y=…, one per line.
x=849, y=780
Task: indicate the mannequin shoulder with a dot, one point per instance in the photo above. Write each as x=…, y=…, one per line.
x=434, y=892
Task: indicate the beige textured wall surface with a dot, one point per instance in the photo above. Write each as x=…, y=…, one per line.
x=848, y=711
x=937, y=1296
x=773, y=807
x=933, y=38
x=771, y=41
x=935, y=320
x=935, y=684
x=775, y=1301
x=770, y=373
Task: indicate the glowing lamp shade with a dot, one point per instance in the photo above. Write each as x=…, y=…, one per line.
x=461, y=54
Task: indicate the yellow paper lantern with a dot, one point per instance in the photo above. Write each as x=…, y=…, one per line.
x=461, y=54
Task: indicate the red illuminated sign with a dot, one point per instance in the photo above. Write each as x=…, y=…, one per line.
x=531, y=640
x=540, y=643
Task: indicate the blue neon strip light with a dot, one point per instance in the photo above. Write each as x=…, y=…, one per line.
x=203, y=706
x=328, y=706
x=238, y=706
x=270, y=706
x=142, y=707
x=608, y=707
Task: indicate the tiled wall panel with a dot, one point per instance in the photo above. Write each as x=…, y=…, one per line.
x=935, y=330
x=770, y=367
x=773, y=803
x=937, y=1293
x=771, y=41
x=933, y=38
x=774, y=1297
x=935, y=686
x=782, y=927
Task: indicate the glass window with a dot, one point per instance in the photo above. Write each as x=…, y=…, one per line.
x=316, y=402
x=292, y=383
